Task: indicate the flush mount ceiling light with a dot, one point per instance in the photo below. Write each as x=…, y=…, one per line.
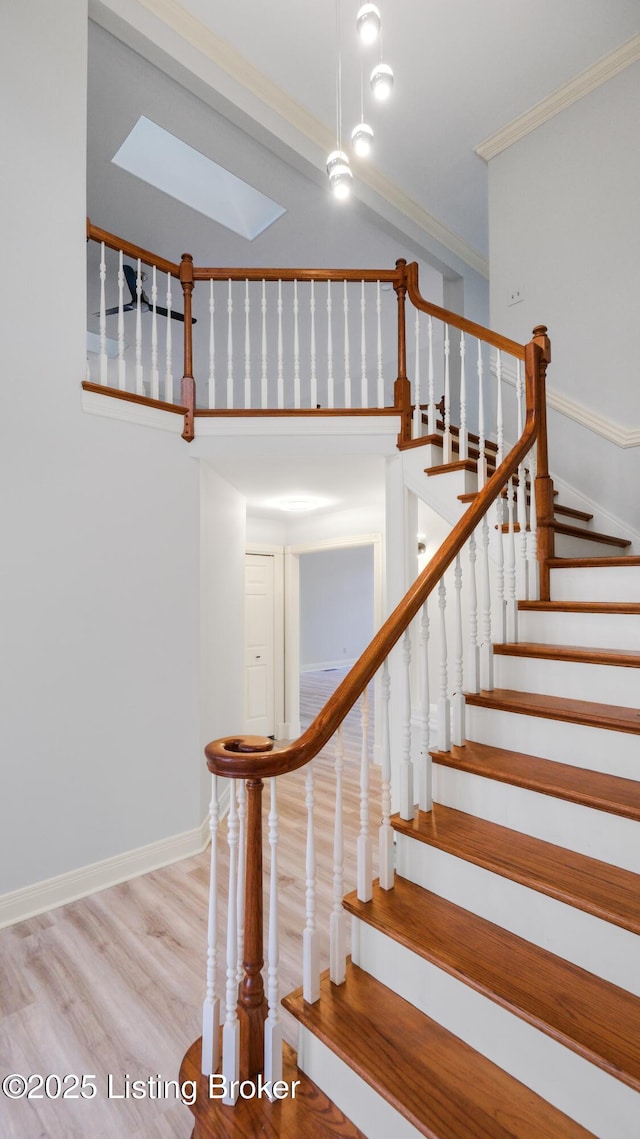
x=368, y=23
x=299, y=505
x=381, y=81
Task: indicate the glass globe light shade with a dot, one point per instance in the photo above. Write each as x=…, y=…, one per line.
x=340, y=176
x=362, y=138
x=368, y=23
x=381, y=81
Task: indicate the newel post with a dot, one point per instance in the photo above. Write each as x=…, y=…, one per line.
x=252, y=1004
x=402, y=387
x=543, y=483
x=187, y=383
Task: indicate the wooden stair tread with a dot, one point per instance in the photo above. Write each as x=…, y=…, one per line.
x=594, y=789
x=624, y=658
x=438, y=1083
x=310, y=1115
x=596, y=1019
x=593, y=535
x=571, y=512
x=595, y=563
x=598, y=888
x=581, y=606
x=471, y=436
x=610, y=716
x=444, y=468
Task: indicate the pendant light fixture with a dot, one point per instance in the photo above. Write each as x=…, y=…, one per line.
x=338, y=166
x=362, y=134
x=368, y=23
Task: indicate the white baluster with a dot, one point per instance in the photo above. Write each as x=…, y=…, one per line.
x=462, y=437
x=522, y=590
x=337, y=922
x=417, y=411
x=364, y=386
x=273, y=1023
x=122, y=368
x=296, y=348
x=264, y=376
x=103, y=316
x=486, y=646
x=231, y=1030
x=499, y=615
x=407, y=801
x=532, y=534
x=482, y=458
x=310, y=946
x=458, y=730
x=247, y=349
x=313, y=395
x=212, y=348
x=155, y=375
x=511, y=603
x=330, y=384
x=431, y=379
x=139, y=377
x=242, y=874
x=385, y=833
x=347, y=362
x=425, y=796
x=447, y=450
x=381, y=400
x=473, y=653
x=211, y=1005
x=229, y=347
x=280, y=350
x=168, y=348
x=444, y=707
x=365, y=876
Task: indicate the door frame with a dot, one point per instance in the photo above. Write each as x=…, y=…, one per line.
x=262, y=549
x=292, y=618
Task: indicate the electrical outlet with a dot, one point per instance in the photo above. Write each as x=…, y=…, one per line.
x=515, y=296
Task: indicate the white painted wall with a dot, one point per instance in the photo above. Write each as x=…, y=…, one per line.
x=336, y=606
x=564, y=230
x=101, y=746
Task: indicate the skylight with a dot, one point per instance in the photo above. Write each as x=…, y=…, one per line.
x=169, y=164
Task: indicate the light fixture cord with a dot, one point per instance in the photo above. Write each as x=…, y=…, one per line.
x=338, y=80
x=361, y=89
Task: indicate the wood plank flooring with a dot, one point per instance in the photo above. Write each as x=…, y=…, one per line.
x=113, y=983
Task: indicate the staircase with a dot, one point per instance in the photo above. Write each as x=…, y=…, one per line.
x=496, y=991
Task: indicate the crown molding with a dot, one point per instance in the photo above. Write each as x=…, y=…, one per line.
x=563, y=97
x=610, y=430
x=221, y=53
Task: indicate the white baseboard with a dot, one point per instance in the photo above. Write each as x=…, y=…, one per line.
x=59, y=891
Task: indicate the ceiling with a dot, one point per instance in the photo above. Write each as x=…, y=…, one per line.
x=463, y=70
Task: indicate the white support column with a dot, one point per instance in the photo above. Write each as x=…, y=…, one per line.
x=486, y=645
x=385, y=834
x=458, y=732
x=313, y=394
x=511, y=603
x=330, y=381
x=462, y=438
x=229, y=347
x=473, y=654
x=273, y=1023
x=168, y=348
x=310, y=946
x=296, y=347
x=139, y=376
x=247, y=348
x=381, y=400
x=280, y=350
x=155, y=375
x=122, y=368
x=264, y=390
x=499, y=613
x=103, y=316
x=432, y=388
x=212, y=348
x=337, y=922
x=211, y=1005
x=364, y=383
x=417, y=411
x=447, y=453
x=347, y=359
x=364, y=856
x=482, y=458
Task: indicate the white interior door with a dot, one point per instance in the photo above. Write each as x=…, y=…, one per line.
x=259, y=672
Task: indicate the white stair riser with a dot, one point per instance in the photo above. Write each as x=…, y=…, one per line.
x=568, y=546
x=598, y=749
x=375, y=1117
x=596, y=630
x=597, y=834
x=572, y=1084
x=590, y=942
x=600, y=583
x=575, y=680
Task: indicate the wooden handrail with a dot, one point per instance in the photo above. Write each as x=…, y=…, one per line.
x=511, y=347
x=370, y=275
x=253, y=757
x=131, y=250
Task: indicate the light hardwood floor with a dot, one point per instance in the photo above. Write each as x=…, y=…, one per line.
x=113, y=984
